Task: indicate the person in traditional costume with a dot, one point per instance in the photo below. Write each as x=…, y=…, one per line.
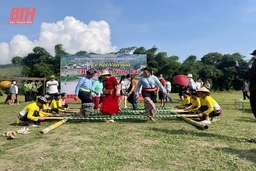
x=149, y=84
x=83, y=92
x=111, y=91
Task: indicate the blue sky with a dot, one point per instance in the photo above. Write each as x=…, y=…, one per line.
x=178, y=27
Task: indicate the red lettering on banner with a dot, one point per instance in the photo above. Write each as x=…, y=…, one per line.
x=133, y=71
x=83, y=71
x=22, y=15
x=119, y=71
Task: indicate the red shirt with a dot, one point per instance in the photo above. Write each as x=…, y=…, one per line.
x=110, y=83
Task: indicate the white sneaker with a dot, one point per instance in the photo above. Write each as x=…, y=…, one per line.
x=110, y=121
x=33, y=125
x=214, y=119
x=206, y=122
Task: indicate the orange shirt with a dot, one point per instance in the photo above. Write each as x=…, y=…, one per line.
x=163, y=82
x=134, y=83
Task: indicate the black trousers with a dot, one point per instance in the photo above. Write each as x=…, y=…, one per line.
x=253, y=102
x=245, y=94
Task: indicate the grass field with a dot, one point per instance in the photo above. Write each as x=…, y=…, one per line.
x=10, y=72
x=127, y=145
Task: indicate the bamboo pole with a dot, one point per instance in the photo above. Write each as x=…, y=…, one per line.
x=46, y=130
x=192, y=122
x=53, y=118
x=198, y=124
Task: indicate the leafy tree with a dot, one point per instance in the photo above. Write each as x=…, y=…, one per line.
x=212, y=58
x=126, y=50
x=17, y=61
x=81, y=53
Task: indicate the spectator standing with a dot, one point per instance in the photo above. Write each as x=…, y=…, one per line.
x=52, y=86
x=168, y=91
x=245, y=90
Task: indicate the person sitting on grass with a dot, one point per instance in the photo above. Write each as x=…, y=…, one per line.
x=56, y=104
x=195, y=103
x=63, y=101
x=210, y=110
x=186, y=100
x=47, y=106
x=32, y=113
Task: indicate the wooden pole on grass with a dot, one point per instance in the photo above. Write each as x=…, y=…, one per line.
x=48, y=129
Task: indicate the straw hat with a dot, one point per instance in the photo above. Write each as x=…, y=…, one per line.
x=105, y=72
x=204, y=89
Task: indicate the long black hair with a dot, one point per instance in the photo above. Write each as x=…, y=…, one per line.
x=122, y=78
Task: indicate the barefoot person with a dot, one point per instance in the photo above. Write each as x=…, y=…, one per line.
x=148, y=82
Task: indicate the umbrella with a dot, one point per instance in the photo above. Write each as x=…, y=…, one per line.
x=181, y=80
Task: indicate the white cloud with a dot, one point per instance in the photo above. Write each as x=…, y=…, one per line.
x=73, y=34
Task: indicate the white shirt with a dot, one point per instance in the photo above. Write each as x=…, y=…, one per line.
x=198, y=85
x=53, y=86
x=192, y=83
x=168, y=86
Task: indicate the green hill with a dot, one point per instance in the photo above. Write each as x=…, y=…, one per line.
x=8, y=71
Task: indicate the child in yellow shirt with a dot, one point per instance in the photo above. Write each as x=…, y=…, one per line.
x=186, y=100
x=32, y=113
x=209, y=109
x=195, y=103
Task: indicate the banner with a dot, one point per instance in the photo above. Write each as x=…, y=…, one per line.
x=73, y=67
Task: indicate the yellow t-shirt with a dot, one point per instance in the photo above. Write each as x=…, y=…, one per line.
x=186, y=101
x=31, y=110
x=210, y=103
x=195, y=105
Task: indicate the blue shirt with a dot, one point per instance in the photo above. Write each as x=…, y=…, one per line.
x=149, y=82
x=84, y=83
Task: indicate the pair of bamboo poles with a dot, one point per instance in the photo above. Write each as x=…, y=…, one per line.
x=185, y=117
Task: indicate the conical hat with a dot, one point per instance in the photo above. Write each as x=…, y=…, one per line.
x=204, y=89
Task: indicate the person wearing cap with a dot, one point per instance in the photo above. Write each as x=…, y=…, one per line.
x=83, y=92
x=111, y=91
x=251, y=75
x=149, y=83
x=195, y=103
x=210, y=110
x=32, y=113
x=191, y=82
x=52, y=86
x=186, y=100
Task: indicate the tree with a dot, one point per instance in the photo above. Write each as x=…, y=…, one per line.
x=212, y=58
x=17, y=61
x=126, y=50
x=81, y=53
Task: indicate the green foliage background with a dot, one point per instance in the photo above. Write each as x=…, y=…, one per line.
x=216, y=67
